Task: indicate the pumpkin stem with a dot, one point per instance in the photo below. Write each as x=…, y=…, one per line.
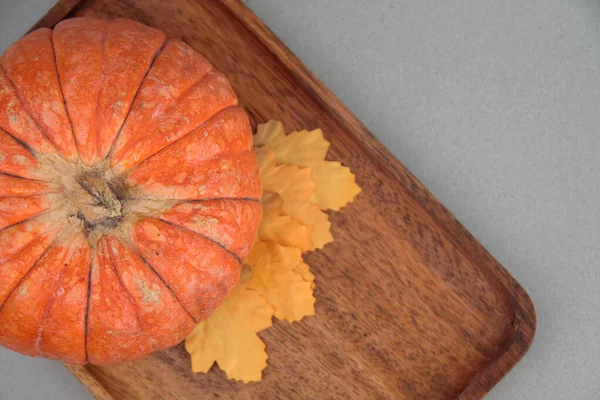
x=98, y=201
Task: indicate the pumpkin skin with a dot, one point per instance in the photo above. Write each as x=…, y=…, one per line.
x=128, y=191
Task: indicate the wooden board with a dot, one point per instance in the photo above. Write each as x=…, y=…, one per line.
x=409, y=304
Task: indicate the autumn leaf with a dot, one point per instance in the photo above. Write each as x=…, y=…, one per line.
x=289, y=181
x=310, y=215
x=274, y=277
x=228, y=337
x=336, y=185
x=280, y=228
x=304, y=271
x=303, y=148
x=270, y=133
x=290, y=231
x=271, y=200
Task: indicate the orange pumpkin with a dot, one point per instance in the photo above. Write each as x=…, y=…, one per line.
x=128, y=191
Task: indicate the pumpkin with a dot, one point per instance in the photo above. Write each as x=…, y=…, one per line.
x=128, y=191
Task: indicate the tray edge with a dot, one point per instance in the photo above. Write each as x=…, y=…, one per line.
x=54, y=15
x=524, y=317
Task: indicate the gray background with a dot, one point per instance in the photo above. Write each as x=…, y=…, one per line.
x=493, y=105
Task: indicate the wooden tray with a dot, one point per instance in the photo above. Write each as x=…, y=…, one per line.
x=409, y=304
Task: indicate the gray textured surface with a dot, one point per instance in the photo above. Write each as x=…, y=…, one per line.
x=494, y=106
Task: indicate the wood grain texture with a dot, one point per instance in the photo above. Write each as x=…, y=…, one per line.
x=409, y=304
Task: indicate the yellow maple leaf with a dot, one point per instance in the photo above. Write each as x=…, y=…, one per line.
x=271, y=200
x=304, y=271
x=289, y=181
x=336, y=185
x=310, y=214
x=274, y=277
x=283, y=229
x=228, y=337
x=307, y=214
x=303, y=148
x=269, y=134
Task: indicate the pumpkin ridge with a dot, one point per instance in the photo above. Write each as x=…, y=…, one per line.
x=15, y=146
x=14, y=186
x=206, y=270
x=24, y=245
x=187, y=90
x=43, y=132
x=147, y=263
x=46, y=211
x=62, y=335
x=203, y=123
x=181, y=201
x=27, y=131
x=87, y=305
x=62, y=93
x=23, y=196
x=22, y=177
x=254, y=186
x=96, y=137
x=124, y=288
x=183, y=94
x=131, y=169
x=16, y=139
x=49, y=305
x=31, y=206
x=203, y=236
x=111, y=150
x=254, y=199
x=30, y=67
x=220, y=220
x=147, y=291
x=35, y=264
